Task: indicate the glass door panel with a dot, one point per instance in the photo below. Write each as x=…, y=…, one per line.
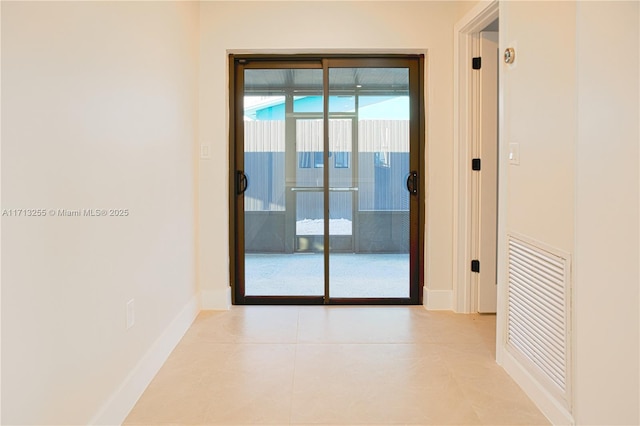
x=370, y=172
x=341, y=188
x=283, y=202
x=309, y=189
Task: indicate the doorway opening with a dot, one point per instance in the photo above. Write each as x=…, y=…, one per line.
x=484, y=176
x=476, y=169
x=327, y=160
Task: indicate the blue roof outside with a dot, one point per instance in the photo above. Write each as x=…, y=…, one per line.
x=370, y=107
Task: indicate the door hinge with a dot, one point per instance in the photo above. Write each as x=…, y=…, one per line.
x=476, y=63
x=475, y=265
x=475, y=164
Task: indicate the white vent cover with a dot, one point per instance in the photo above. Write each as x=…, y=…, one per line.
x=538, y=311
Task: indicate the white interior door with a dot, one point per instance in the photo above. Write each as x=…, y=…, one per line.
x=488, y=175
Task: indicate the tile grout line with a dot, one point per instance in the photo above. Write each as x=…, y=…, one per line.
x=459, y=384
x=295, y=365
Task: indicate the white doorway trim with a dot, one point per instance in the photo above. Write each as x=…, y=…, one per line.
x=465, y=32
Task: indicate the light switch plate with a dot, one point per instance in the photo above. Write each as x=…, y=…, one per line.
x=514, y=153
x=205, y=151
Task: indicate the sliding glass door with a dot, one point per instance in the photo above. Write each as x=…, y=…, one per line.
x=326, y=161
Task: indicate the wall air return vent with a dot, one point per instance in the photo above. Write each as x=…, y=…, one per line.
x=538, y=312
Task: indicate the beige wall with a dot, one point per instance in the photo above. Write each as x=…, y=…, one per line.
x=571, y=102
x=607, y=213
x=324, y=27
x=98, y=111
x=540, y=115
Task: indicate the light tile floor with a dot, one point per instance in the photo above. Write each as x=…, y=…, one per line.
x=335, y=365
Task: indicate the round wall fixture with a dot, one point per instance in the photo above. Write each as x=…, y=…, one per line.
x=509, y=55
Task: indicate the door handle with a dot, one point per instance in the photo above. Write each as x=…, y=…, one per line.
x=412, y=183
x=242, y=182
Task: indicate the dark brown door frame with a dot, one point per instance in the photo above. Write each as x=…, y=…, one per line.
x=237, y=64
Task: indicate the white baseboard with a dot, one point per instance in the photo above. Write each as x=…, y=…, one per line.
x=546, y=402
x=116, y=409
x=216, y=300
x=438, y=300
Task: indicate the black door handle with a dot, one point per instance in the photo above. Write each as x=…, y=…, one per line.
x=242, y=182
x=412, y=183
